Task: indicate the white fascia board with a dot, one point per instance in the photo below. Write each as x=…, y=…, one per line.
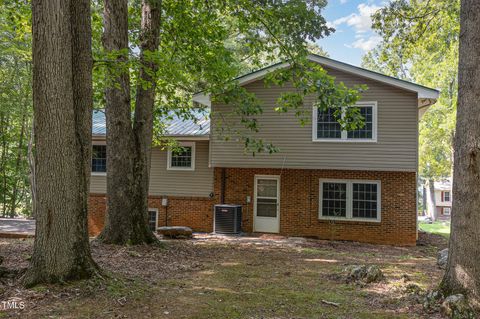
x=204, y=99
x=426, y=96
x=422, y=91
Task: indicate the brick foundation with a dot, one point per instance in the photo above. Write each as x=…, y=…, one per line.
x=299, y=204
x=194, y=212
x=299, y=201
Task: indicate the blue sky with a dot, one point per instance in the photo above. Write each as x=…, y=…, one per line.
x=353, y=36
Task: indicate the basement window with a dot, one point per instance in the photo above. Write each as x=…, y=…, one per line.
x=350, y=200
x=183, y=158
x=99, y=159
x=152, y=219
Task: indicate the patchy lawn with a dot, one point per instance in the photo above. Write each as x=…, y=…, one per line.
x=232, y=277
x=439, y=228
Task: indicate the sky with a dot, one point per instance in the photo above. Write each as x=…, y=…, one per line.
x=353, y=36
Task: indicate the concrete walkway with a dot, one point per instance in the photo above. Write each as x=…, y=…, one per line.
x=16, y=228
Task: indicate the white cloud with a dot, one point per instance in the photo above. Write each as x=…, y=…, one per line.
x=361, y=21
x=367, y=43
x=343, y=1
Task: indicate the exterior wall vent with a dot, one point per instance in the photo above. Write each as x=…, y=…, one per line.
x=227, y=219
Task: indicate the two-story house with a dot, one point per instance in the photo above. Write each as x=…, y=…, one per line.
x=443, y=200
x=324, y=182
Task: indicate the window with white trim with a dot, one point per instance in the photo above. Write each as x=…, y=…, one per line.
x=327, y=124
x=447, y=211
x=183, y=158
x=99, y=159
x=446, y=196
x=152, y=219
x=326, y=127
x=350, y=200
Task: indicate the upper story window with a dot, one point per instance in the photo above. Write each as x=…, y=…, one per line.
x=326, y=127
x=350, y=200
x=99, y=159
x=446, y=196
x=183, y=158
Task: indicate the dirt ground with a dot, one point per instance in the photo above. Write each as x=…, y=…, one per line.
x=230, y=277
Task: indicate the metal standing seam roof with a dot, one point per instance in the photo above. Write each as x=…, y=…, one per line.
x=176, y=126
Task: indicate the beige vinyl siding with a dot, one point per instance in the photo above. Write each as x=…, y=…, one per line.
x=98, y=184
x=163, y=182
x=395, y=149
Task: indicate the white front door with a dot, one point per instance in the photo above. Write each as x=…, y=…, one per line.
x=266, y=204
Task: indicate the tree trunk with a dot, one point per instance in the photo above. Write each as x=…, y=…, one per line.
x=18, y=174
x=431, y=200
x=31, y=164
x=424, y=200
x=4, y=124
x=463, y=267
x=62, y=95
x=129, y=148
x=143, y=122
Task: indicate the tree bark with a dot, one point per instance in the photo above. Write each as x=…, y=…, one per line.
x=431, y=201
x=129, y=146
x=31, y=165
x=62, y=95
x=463, y=267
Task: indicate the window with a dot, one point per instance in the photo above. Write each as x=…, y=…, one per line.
x=182, y=159
x=366, y=132
x=446, y=211
x=334, y=199
x=446, y=196
x=327, y=129
x=152, y=219
x=327, y=125
x=99, y=159
x=364, y=200
x=349, y=200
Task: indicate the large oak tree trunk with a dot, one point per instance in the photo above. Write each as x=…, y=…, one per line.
x=463, y=268
x=62, y=95
x=129, y=146
x=120, y=143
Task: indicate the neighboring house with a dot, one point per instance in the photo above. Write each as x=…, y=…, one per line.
x=324, y=182
x=443, y=199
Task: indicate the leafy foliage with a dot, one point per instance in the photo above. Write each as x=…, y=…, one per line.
x=204, y=45
x=420, y=43
x=15, y=106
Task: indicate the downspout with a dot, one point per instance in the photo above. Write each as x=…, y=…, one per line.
x=222, y=185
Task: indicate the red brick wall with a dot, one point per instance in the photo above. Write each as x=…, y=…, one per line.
x=97, y=205
x=299, y=200
x=194, y=212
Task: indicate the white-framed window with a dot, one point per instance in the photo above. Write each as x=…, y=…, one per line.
x=99, y=158
x=446, y=196
x=182, y=159
x=325, y=127
x=447, y=211
x=153, y=219
x=356, y=200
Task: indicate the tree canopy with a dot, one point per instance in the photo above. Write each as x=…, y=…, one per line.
x=420, y=44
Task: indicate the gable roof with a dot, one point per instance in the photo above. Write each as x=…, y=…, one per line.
x=445, y=185
x=176, y=127
x=426, y=96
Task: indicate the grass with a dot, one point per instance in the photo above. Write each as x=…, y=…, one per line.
x=439, y=228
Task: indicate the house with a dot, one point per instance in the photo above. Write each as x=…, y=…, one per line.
x=443, y=199
x=324, y=182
